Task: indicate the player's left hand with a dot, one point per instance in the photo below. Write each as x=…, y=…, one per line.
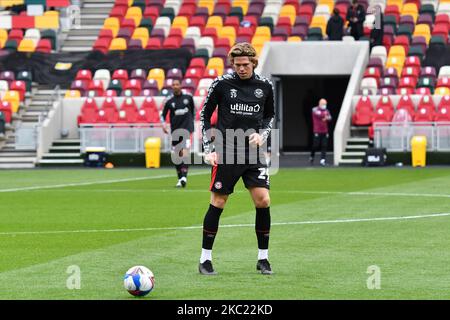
x=255, y=139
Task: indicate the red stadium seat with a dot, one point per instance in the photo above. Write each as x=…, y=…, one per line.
x=5, y=108
x=154, y=44
x=108, y=113
x=133, y=85
x=88, y=112
x=424, y=114
x=20, y=87
x=363, y=112
x=443, y=111
x=385, y=103
x=427, y=102
x=148, y=112
x=121, y=75
x=128, y=111
x=405, y=102
x=97, y=86
x=84, y=74
x=44, y=45
x=172, y=43
x=443, y=82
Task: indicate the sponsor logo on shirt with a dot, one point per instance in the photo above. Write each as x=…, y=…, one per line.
x=233, y=93
x=218, y=185
x=186, y=101
x=244, y=109
x=181, y=112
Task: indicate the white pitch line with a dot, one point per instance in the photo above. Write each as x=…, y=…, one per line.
x=356, y=193
x=435, y=215
x=78, y=184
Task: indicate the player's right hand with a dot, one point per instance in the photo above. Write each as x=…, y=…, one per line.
x=165, y=129
x=211, y=158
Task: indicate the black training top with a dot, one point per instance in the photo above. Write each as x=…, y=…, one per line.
x=182, y=112
x=242, y=104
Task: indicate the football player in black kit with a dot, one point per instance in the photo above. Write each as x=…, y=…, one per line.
x=245, y=101
x=181, y=108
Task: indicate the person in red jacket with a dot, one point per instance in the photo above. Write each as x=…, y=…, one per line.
x=321, y=117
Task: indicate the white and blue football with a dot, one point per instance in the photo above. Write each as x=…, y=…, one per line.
x=139, y=281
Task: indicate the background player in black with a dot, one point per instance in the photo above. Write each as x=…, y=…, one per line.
x=181, y=108
x=245, y=101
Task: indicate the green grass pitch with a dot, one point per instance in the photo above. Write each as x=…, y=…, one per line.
x=329, y=226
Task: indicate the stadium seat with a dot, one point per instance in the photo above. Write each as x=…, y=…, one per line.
x=89, y=112
x=80, y=85
x=424, y=115
x=44, y=45
x=148, y=112
x=138, y=74
x=134, y=86
x=405, y=102
x=20, y=87
x=97, y=87
x=157, y=74
x=115, y=85
x=118, y=44
x=385, y=103
x=5, y=108
x=363, y=113
x=442, y=91
x=72, y=94
x=128, y=111
x=108, y=112
x=426, y=102
x=121, y=75
x=26, y=45
x=103, y=75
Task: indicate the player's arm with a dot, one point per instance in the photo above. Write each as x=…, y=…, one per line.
x=209, y=105
x=163, y=117
x=192, y=106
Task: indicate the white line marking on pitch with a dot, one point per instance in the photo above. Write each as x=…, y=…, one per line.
x=435, y=215
x=357, y=193
x=95, y=182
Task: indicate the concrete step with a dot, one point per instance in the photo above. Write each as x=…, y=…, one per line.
x=350, y=162
x=17, y=165
x=98, y=5
x=17, y=154
x=65, y=149
x=61, y=155
x=90, y=16
x=352, y=154
x=358, y=140
x=76, y=49
x=18, y=160
x=84, y=32
x=77, y=43
x=40, y=103
x=354, y=147
x=57, y=162
x=67, y=142
x=96, y=10
x=81, y=38
x=91, y=21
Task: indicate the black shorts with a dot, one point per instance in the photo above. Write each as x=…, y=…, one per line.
x=225, y=176
x=184, y=143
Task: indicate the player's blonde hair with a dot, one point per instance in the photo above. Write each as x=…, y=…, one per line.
x=243, y=49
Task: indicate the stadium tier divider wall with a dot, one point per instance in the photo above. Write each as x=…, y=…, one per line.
x=319, y=58
x=62, y=121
